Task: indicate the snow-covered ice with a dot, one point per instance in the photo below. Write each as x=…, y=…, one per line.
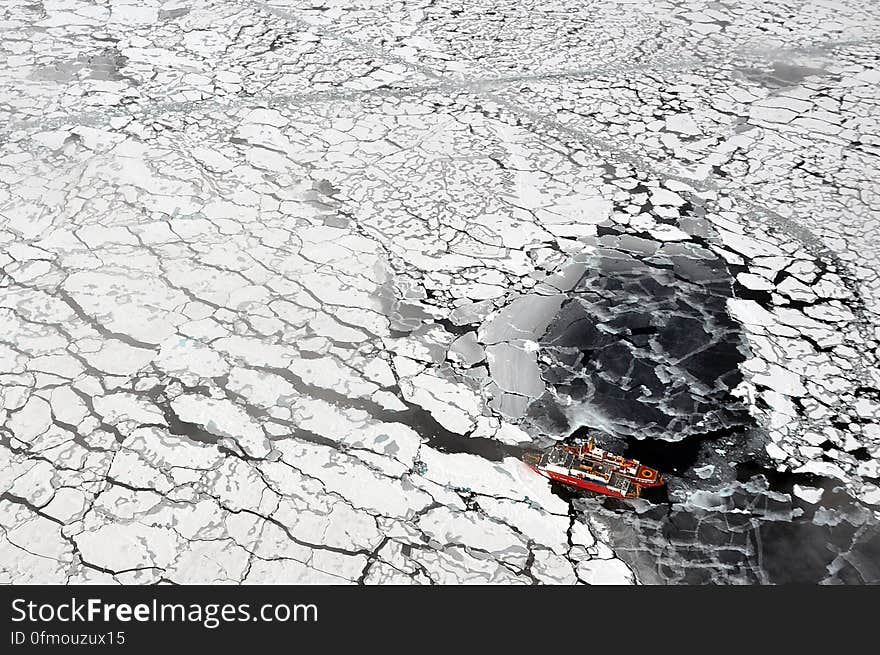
x=287, y=288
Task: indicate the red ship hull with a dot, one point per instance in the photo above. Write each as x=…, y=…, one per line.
x=579, y=483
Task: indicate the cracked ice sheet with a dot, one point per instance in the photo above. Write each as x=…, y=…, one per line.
x=109, y=60
x=228, y=351
x=492, y=41
x=489, y=39
x=754, y=26
x=211, y=344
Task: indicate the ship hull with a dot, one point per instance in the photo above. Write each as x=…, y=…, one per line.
x=580, y=483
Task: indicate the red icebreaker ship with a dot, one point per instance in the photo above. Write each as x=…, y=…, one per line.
x=586, y=466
